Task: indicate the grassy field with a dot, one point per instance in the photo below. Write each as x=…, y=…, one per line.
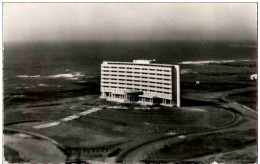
x=110, y=126
x=246, y=98
x=244, y=155
x=187, y=116
x=71, y=136
x=198, y=146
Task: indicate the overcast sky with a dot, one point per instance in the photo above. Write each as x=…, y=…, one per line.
x=129, y=21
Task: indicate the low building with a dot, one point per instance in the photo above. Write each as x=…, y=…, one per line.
x=141, y=81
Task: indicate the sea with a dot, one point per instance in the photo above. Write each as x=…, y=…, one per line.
x=47, y=71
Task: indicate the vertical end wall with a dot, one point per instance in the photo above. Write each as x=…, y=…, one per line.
x=176, y=87
x=178, y=79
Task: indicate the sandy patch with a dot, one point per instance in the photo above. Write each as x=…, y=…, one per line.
x=34, y=150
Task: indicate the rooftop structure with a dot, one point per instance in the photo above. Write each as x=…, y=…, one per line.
x=141, y=81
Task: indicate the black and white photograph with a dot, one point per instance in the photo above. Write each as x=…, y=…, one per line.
x=130, y=82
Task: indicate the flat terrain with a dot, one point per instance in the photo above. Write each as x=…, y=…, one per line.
x=243, y=155
x=96, y=130
x=209, y=144
x=218, y=122
x=32, y=150
x=246, y=98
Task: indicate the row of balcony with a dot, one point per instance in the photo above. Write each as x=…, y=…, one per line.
x=153, y=84
x=137, y=69
x=136, y=76
x=137, y=87
x=151, y=80
x=137, y=72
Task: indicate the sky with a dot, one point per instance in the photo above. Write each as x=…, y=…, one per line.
x=31, y=22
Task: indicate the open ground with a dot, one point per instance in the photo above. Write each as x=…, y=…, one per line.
x=214, y=124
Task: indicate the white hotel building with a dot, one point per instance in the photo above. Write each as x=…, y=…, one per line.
x=141, y=81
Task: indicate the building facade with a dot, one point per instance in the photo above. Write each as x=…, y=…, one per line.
x=141, y=81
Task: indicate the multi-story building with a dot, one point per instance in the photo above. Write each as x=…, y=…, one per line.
x=141, y=81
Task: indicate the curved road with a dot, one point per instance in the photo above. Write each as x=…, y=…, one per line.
x=140, y=152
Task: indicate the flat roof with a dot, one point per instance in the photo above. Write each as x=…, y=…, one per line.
x=143, y=61
x=118, y=92
x=147, y=96
x=140, y=63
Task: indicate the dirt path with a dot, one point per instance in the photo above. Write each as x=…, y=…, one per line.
x=68, y=118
